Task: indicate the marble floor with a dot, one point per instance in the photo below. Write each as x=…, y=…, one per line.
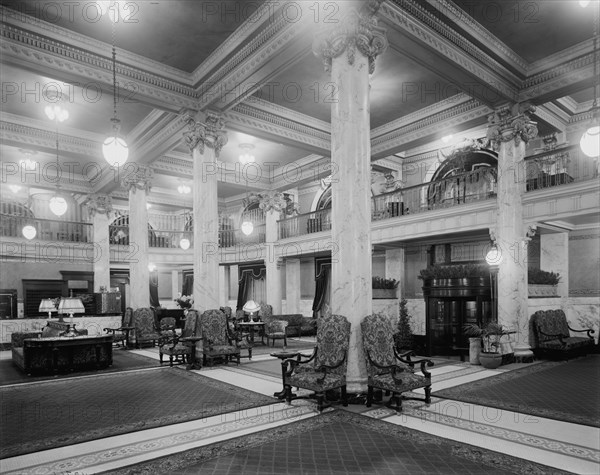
x=562, y=445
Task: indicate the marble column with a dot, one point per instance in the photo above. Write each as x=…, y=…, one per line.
x=206, y=138
x=292, y=285
x=348, y=50
x=395, y=268
x=138, y=184
x=99, y=209
x=272, y=204
x=224, y=286
x=234, y=275
x=509, y=131
x=554, y=257
x=175, y=287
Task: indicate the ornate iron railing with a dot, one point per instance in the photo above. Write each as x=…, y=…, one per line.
x=46, y=229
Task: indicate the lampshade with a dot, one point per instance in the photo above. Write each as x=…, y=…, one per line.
x=29, y=231
x=590, y=142
x=71, y=305
x=184, y=244
x=58, y=205
x=251, y=306
x=494, y=256
x=247, y=227
x=47, y=305
x=115, y=150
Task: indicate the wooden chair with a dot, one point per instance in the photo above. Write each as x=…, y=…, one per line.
x=121, y=335
x=325, y=369
x=386, y=368
x=144, y=326
x=172, y=345
x=217, y=342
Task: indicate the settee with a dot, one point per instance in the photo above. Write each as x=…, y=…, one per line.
x=47, y=351
x=298, y=325
x=550, y=335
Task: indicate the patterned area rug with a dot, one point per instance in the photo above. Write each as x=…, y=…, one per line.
x=564, y=391
x=340, y=443
x=62, y=412
x=123, y=360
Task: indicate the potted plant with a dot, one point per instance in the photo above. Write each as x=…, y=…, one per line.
x=403, y=338
x=384, y=288
x=441, y=275
x=490, y=334
x=541, y=283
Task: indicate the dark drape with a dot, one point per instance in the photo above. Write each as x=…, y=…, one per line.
x=322, y=281
x=154, y=302
x=188, y=285
x=243, y=289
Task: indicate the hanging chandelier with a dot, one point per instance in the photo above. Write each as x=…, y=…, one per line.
x=246, y=157
x=114, y=148
x=590, y=141
x=58, y=205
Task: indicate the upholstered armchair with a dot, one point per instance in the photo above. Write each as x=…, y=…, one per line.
x=216, y=338
x=550, y=335
x=121, y=335
x=325, y=369
x=265, y=312
x=167, y=325
x=144, y=326
x=176, y=346
x=240, y=338
x=276, y=330
x=386, y=368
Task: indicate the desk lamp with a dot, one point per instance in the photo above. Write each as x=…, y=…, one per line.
x=71, y=305
x=251, y=307
x=47, y=305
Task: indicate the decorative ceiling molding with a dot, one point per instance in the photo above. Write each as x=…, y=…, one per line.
x=558, y=81
x=469, y=112
x=422, y=114
x=239, y=78
x=474, y=29
x=560, y=58
x=552, y=115
x=73, y=64
x=425, y=28
x=234, y=41
x=281, y=111
x=246, y=117
x=307, y=169
x=388, y=162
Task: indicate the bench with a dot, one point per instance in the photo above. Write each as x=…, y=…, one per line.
x=550, y=335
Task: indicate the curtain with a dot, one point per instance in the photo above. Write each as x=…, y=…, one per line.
x=242, y=290
x=188, y=285
x=252, y=286
x=321, y=290
x=154, y=302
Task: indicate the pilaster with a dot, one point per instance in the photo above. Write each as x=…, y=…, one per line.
x=292, y=285
x=99, y=209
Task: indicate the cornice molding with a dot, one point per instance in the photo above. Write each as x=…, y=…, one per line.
x=422, y=25
x=422, y=114
x=281, y=111
x=29, y=49
x=560, y=58
x=244, y=115
x=551, y=115
x=453, y=117
x=475, y=29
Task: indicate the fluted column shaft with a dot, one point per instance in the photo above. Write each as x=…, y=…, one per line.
x=272, y=265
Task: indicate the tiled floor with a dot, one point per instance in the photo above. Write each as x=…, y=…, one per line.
x=561, y=445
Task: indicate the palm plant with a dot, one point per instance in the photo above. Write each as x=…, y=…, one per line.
x=490, y=335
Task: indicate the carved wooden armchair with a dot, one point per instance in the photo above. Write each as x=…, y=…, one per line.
x=121, y=335
x=217, y=342
x=239, y=337
x=550, y=335
x=176, y=346
x=386, y=368
x=325, y=369
x=144, y=322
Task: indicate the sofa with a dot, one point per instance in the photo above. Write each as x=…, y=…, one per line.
x=550, y=336
x=298, y=325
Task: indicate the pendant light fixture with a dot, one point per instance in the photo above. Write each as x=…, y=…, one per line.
x=590, y=141
x=58, y=204
x=247, y=226
x=246, y=157
x=114, y=148
x=29, y=231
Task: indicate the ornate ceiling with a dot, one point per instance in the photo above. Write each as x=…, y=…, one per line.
x=447, y=66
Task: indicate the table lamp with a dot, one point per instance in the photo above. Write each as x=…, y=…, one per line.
x=47, y=305
x=251, y=307
x=70, y=305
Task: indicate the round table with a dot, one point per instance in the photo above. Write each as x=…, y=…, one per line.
x=284, y=355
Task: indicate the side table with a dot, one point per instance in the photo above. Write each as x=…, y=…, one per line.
x=192, y=340
x=284, y=355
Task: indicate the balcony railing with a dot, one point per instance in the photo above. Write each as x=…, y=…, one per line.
x=47, y=229
x=235, y=237
x=306, y=223
x=468, y=187
x=558, y=167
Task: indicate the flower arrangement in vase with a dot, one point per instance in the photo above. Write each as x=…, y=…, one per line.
x=184, y=301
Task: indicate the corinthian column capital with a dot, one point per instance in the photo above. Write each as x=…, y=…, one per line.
x=101, y=204
x=508, y=124
x=208, y=133
x=356, y=30
x=139, y=179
